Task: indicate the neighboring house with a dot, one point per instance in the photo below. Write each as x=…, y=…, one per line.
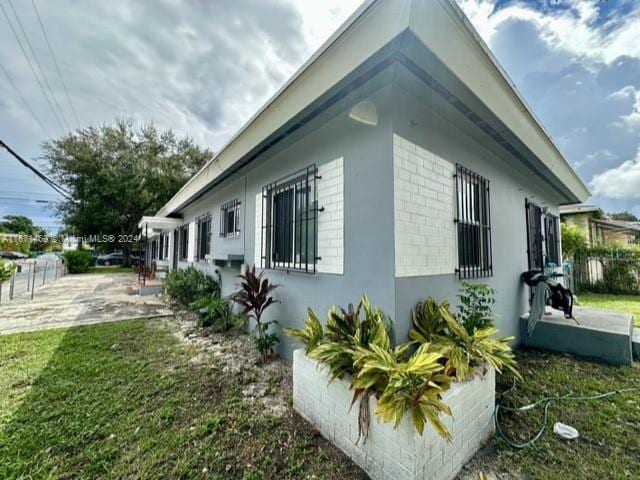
x=397, y=162
x=598, y=228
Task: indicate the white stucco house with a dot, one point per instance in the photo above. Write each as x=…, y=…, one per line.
x=398, y=161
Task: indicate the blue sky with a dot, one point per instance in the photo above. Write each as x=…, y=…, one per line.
x=576, y=62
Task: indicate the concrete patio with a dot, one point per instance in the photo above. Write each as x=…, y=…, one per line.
x=79, y=300
x=599, y=334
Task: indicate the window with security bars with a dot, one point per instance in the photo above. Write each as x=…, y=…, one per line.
x=289, y=222
x=184, y=242
x=473, y=221
x=534, y=235
x=230, y=219
x=203, y=236
x=552, y=240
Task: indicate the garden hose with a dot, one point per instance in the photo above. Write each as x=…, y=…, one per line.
x=546, y=401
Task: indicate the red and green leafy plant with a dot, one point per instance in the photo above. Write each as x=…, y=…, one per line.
x=255, y=297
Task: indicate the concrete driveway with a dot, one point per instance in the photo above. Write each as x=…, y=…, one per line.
x=79, y=300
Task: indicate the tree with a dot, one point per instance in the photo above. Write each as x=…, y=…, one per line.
x=19, y=224
x=624, y=216
x=573, y=240
x=116, y=174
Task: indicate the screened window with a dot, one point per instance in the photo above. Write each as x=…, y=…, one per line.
x=290, y=222
x=203, y=236
x=552, y=239
x=473, y=222
x=230, y=219
x=184, y=242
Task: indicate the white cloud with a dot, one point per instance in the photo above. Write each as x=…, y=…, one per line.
x=570, y=26
x=622, y=182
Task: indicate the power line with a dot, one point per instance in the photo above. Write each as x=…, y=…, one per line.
x=18, y=199
x=26, y=57
x=35, y=57
x=41, y=175
x=24, y=100
x=55, y=62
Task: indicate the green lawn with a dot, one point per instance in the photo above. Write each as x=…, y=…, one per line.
x=110, y=270
x=609, y=443
x=123, y=400
x=619, y=303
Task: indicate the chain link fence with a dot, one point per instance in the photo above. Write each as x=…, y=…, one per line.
x=28, y=276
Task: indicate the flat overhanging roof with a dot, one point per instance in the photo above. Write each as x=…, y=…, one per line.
x=443, y=33
x=158, y=223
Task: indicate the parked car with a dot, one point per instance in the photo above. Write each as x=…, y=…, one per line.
x=114, y=258
x=9, y=255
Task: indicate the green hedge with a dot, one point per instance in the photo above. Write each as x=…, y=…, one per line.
x=188, y=285
x=77, y=261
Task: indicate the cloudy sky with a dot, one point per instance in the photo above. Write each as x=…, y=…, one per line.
x=204, y=67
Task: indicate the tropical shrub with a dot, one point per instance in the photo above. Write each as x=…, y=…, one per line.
x=6, y=270
x=216, y=313
x=77, y=261
x=185, y=286
x=461, y=350
x=476, y=302
x=356, y=342
x=255, y=297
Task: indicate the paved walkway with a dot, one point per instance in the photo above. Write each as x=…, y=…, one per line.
x=78, y=300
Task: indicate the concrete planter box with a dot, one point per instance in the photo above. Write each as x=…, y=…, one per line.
x=396, y=454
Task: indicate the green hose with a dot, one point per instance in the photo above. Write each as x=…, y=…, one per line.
x=546, y=401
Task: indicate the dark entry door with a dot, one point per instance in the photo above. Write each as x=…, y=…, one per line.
x=534, y=235
x=175, y=250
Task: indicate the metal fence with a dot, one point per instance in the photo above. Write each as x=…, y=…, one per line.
x=614, y=273
x=28, y=276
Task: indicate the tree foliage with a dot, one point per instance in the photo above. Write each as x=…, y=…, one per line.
x=623, y=216
x=19, y=224
x=573, y=240
x=118, y=173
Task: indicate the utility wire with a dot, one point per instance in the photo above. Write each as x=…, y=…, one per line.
x=41, y=175
x=24, y=100
x=35, y=57
x=55, y=62
x=19, y=199
x=26, y=57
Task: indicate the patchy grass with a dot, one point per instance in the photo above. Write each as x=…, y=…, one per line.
x=127, y=400
x=618, y=303
x=110, y=270
x=609, y=443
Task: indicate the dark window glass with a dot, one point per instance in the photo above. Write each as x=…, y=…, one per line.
x=534, y=235
x=230, y=219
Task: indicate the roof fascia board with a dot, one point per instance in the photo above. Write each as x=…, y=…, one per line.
x=468, y=58
x=336, y=59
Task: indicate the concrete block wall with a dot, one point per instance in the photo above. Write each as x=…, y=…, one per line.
x=330, y=197
x=396, y=454
x=331, y=219
x=424, y=212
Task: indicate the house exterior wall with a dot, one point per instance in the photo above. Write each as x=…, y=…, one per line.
x=433, y=136
x=355, y=228
x=387, y=228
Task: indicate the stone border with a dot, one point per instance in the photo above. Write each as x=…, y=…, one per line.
x=401, y=453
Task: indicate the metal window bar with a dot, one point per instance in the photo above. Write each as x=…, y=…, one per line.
x=473, y=224
x=289, y=222
x=230, y=218
x=534, y=235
